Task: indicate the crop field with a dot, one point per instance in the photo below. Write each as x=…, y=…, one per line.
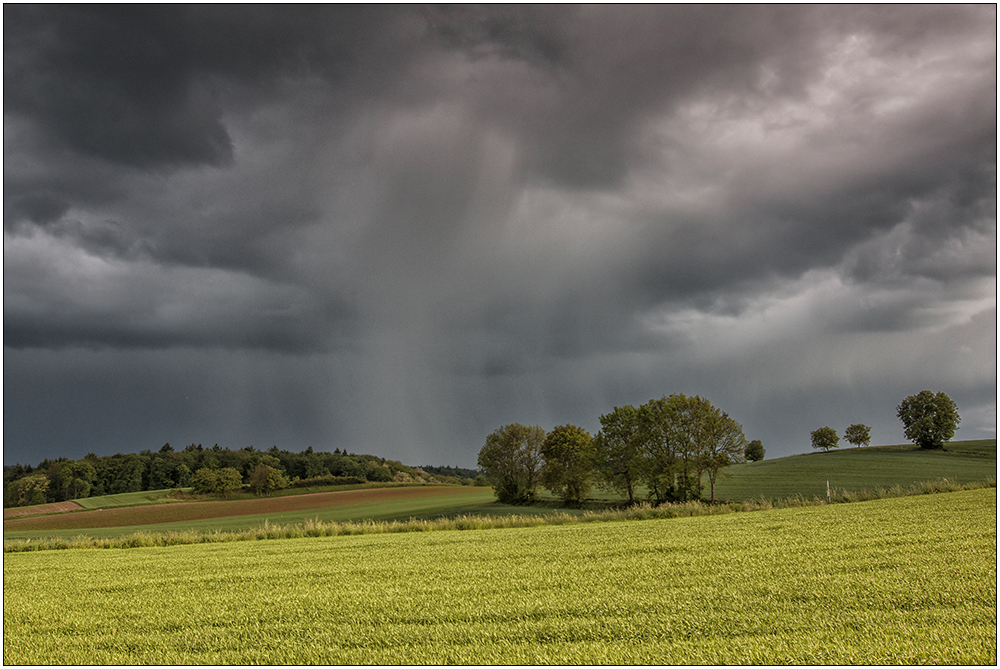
x=898, y=581
x=372, y=503
x=101, y=502
x=54, y=507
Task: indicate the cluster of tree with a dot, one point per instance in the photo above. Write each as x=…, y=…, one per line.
x=827, y=438
x=456, y=475
x=669, y=445
x=929, y=420
x=206, y=470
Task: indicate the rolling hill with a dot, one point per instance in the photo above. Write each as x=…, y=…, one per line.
x=799, y=475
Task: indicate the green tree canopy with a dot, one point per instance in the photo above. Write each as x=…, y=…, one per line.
x=929, y=420
x=858, y=434
x=511, y=461
x=77, y=478
x=673, y=439
x=723, y=442
x=229, y=479
x=568, y=454
x=618, y=451
x=204, y=480
x=30, y=490
x=825, y=438
x=754, y=451
x=265, y=479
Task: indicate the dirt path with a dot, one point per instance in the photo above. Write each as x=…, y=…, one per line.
x=168, y=513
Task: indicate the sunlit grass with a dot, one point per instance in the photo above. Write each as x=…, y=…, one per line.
x=909, y=580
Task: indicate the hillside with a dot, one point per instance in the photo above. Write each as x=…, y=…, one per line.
x=858, y=469
x=62, y=480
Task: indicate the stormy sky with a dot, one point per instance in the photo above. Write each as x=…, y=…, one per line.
x=393, y=230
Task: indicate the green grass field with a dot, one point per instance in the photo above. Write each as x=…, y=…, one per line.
x=898, y=581
x=984, y=447
x=857, y=469
x=127, y=499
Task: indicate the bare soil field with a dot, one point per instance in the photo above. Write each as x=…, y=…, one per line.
x=168, y=513
x=55, y=507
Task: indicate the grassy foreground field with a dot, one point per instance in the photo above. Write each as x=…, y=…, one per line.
x=899, y=581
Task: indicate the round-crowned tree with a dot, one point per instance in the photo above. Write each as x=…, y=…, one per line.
x=511, y=461
x=754, y=451
x=204, y=480
x=929, y=419
x=568, y=452
x=228, y=479
x=825, y=438
x=858, y=434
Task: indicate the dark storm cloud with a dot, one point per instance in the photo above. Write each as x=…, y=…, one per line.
x=138, y=85
x=468, y=216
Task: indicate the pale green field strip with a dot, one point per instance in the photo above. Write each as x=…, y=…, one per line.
x=899, y=581
x=147, y=497
x=127, y=499
x=429, y=506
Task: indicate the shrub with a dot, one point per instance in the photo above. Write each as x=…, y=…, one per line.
x=317, y=481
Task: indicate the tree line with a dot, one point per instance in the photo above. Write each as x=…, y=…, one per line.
x=669, y=445
x=205, y=470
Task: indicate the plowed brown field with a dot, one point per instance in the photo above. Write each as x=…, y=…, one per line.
x=55, y=507
x=168, y=513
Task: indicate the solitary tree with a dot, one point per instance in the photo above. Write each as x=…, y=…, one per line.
x=825, y=438
x=568, y=452
x=618, y=451
x=858, y=434
x=754, y=451
x=929, y=420
x=511, y=461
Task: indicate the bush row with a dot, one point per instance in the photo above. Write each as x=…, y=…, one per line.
x=317, y=481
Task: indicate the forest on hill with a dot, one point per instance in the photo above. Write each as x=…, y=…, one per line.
x=212, y=469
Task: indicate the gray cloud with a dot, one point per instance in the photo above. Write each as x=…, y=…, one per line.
x=393, y=229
